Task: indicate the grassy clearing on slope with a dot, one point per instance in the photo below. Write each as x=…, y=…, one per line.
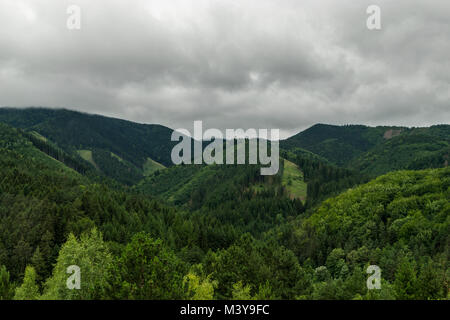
x=12, y=140
x=116, y=156
x=39, y=136
x=293, y=181
x=87, y=155
x=150, y=166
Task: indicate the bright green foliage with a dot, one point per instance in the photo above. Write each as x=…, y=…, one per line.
x=399, y=221
x=407, y=207
x=29, y=290
x=241, y=292
x=151, y=166
x=198, y=288
x=92, y=256
x=265, y=292
x=293, y=181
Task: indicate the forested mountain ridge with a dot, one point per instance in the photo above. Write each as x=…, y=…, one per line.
x=338, y=144
x=376, y=150
x=414, y=149
x=128, y=151
x=42, y=201
x=399, y=222
x=44, y=206
x=223, y=231
x=130, y=247
x=121, y=149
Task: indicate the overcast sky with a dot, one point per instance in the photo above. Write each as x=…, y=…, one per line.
x=245, y=63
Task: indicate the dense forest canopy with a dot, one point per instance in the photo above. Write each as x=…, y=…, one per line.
x=120, y=149
x=376, y=150
x=101, y=194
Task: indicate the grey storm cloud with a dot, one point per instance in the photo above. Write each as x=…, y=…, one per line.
x=283, y=64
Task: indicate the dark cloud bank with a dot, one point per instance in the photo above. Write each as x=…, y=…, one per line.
x=256, y=63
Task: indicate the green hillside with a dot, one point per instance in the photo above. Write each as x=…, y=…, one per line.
x=375, y=150
x=150, y=166
x=15, y=144
x=293, y=181
x=399, y=222
x=87, y=155
x=338, y=144
x=141, y=230
x=43, y=202
x=199, y=185
x=195, y=185
x=414, y=149
x=72, y=131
